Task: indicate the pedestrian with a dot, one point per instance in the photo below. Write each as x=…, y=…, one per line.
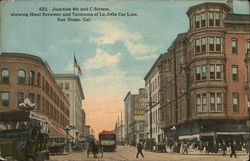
x=182, y=148
x=233, y=149
x=206, y=146
x=185, y=148
x=139, y=150
x=223, y=148
x=94, y=148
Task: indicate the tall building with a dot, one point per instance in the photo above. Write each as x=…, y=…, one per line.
x=203, y=74
x=135, y=106
x=28, y=76
x=152, y=115
x=83, y=120
x=71, y=86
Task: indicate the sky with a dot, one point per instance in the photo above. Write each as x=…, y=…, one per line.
x=114, y=52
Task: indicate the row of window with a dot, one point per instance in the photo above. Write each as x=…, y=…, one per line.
x=21, y=77
x=34, y=79
x=215, y=72
x=215, y=45
x=201, y=44
x=64, y=85
x=213, y=102
x=207, y=19
x=41, y=105
x=154, y=84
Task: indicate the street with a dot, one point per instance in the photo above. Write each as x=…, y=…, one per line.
x=129, y=153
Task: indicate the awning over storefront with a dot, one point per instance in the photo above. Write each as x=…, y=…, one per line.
x=56, y=131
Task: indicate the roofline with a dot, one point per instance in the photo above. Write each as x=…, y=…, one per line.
x=202, y=4
x=127, y=96
x=65, y=75
x=153, y=67
x=47, y=67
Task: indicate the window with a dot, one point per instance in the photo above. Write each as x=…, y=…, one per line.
x=20, y=98
x=204, y=72
x=32, y=97
x=61, y=85
x=204, y=102
x=212, y=72
x=38, y=100
x=235, y=100
x=5, y=76
x=31, y=77
x=218, y=71
x=211, y=43
x=66, y=85
x=248, y=45
x=198, y=73
x=217, y=19
x=198, y=103
x=212, y=101
x=211, y=19
x=197, y=21
x=235, y=72
x=203, y=20
x=38, y=79
x=234, y=46
x=21, y=76
x=219, y=102
x=203, y=44
x=5, y=98
x=218, y=44
x=197, y=45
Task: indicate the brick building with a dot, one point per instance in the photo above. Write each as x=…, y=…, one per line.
x=28, y=76
x=203, y=74
x=135, y=106
x=152, y=85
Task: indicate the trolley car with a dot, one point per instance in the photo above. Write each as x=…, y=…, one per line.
x=107, y=140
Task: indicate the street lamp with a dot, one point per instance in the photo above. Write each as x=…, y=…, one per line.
x=27, y=105
x=67, y=129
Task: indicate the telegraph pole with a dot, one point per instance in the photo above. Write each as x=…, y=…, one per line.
x=150, y=114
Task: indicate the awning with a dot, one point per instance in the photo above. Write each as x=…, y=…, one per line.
x=189, y=136
x=56, y=131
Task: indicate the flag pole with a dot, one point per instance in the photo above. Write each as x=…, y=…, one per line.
x=74, y=63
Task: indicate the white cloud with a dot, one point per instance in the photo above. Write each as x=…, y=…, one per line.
x=139, y=49
x=146, y=57
x=111, y=32
x=102, y=59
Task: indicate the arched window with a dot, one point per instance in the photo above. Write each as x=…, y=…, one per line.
x=31, y=77
x=21, y=76
x=5, y=76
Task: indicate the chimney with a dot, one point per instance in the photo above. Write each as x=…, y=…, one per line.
x=230, y=4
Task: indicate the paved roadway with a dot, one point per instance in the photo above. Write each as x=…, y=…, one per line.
x=125, y=153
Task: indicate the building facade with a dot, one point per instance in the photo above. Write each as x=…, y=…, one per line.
x=152, y=115
x=71, y=86
x=203, y=76
x=28, y=76
x=135, y=107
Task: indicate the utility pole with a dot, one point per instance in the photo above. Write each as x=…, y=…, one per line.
x=150, y=114
x=121, y=129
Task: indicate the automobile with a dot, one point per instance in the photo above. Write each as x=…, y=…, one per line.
x=161, y=147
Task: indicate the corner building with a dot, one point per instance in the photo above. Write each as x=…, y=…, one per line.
x=28, y=76
x=207, y=99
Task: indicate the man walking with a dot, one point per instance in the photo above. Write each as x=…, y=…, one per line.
x=223, y=148
x=139, y=150
x=233, y=149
